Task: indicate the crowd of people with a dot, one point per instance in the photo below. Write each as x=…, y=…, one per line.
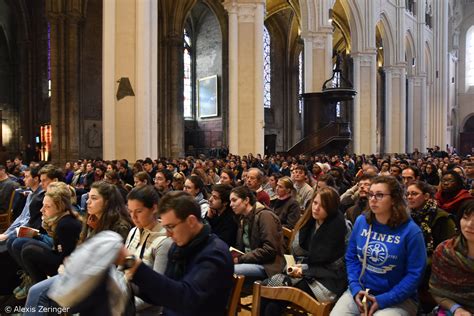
x=381, y=234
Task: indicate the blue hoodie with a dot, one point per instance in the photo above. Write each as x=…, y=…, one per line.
x=396, y=261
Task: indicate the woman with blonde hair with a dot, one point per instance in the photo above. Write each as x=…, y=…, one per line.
x=39, y=259
x=285, y=205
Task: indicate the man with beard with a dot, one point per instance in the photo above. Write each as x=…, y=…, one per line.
x=163, y=180
x=220, y=216
x=361, y=204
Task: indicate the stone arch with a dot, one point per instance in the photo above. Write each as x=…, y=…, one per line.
x=410, y=52
x=354, y=15
x=468, y=123
x=386, y=31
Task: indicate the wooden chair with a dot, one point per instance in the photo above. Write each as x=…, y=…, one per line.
x=287, y=233
x=235, y=295
x=292, y=295
x=6, y=218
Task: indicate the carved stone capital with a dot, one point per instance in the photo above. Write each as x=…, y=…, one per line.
x=365, y=59
x=318, y=39
x=395, y=71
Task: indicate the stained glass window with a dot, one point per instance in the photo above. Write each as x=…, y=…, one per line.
x=300, y=81
x=49, y=60
x=187, y=89
x=266, y=69
x=470, y=57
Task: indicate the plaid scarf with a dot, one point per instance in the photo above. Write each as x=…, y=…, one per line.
x=452, y=273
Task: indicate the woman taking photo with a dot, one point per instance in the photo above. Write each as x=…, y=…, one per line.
x=148, y=240
x=452, y=276
x=386, y=256
x=285, y=206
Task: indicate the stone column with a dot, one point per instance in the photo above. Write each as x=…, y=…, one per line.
x=108, y=80
x=146, y=115
x=65, y=70
x=365, y=103
x=395, y=114
x=418, y=122
x=441, y=80
x=246, y=129
x=410, y=114
x=317, y=58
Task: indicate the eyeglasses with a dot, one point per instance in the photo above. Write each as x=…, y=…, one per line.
x=414, y=194
x=378, y=196
x=170, y=227
x=448, y=181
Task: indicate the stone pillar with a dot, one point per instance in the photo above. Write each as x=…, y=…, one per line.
x=108, y=80
x=419, y=114
x=130, y=50
x=395, y=116
x=146, y=116
x=410, y=114
x=365, y=103
x=65, y=27
x=441, y=78
x=247, y=74
x=317, y=59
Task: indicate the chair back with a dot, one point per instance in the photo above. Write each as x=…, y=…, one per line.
x=235, y=295
x=287, y=233
x=6, y=218
x=290, y=294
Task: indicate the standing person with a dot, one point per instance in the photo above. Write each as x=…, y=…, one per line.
x=198, y=276
x=220, y=215
x=285, y=206
x=386, y=254
x=452, y=277
x=259, y=236
x=148, y=240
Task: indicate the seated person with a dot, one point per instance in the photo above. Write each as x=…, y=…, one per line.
x=259, y=237
x=452, y=275
x=198, y=276
x=148, y=240
x=36, y=255
x=220, y=215
x=436, y=225
x=319, y=244
x=285, y=205
x=195, y=186
x=386, y=254
x=361, y=203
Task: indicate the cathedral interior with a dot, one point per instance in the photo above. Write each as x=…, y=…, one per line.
x=146, y=78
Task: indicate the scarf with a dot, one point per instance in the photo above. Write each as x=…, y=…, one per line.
x=452, y=273
x=451, y=205
x=49, y=224
x=178, y=257
x=424, y=218
x=92, y=221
